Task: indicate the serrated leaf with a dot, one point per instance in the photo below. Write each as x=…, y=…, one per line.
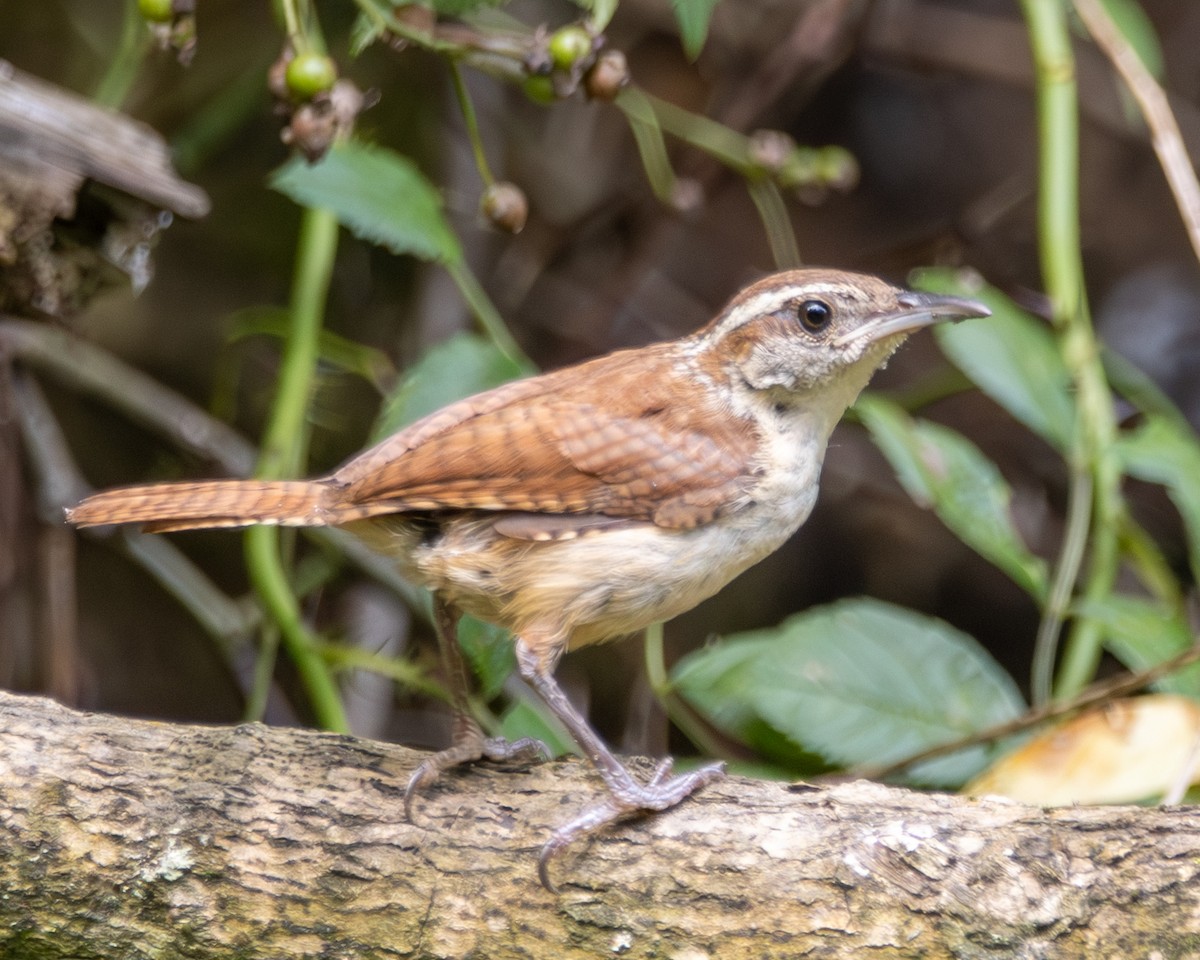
x=940, y=468
x=465, y=364
x=1164, y=451
x=1142, y=634
x=863, y=681
x=1010, y=356
x=693, y=17
x=377, y=194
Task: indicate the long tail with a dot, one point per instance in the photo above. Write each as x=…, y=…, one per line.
x=212, y=503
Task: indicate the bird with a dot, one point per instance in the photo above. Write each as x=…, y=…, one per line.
x=587, y=503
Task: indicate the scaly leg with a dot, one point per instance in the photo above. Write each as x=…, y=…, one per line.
x=467, y=742
x=625, y=794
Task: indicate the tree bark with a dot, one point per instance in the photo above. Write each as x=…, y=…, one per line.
x=124, y=838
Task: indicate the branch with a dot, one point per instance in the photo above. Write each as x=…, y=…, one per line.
x=1156, y=109
x=135, y=839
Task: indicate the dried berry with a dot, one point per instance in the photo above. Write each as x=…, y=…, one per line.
x=505, y=206
x=607, y=76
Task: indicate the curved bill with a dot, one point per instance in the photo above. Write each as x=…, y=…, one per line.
x=914, y=311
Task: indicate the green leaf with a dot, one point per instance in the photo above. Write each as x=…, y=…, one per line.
x=717, y=681
x=1164, y=451
x=1138, y=30
x=364, y=31
x=379, y=195
x=858, y=681
x=1141, y=634
x=524, y=719
x=652, y=148
x=1010, y=356
x=489, y=649
x=942, y=469
x=465, y=364
x=693, y=17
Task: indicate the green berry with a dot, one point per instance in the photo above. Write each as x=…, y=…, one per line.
x=539, y=89
x=309, y=74
x=569, y=45
x=157, y=11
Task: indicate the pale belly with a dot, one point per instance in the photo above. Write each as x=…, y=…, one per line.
x=591, y=588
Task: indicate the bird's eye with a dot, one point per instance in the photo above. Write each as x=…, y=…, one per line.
x=815, y=315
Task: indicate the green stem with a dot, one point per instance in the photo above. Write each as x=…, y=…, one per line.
x=123, y=69
x=264, y=674
x=660, y=685
x=1062, y=267
x=275, y=591
x=469, y=118
x=486, y=313
x=282, y=453
x=282, y=456
x=405, y=672
x=1062, y=586
x=291, y=24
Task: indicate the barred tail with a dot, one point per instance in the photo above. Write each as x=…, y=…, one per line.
x=211, y=503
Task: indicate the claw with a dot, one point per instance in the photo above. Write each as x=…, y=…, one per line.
x=467, y=750
x=659, y=793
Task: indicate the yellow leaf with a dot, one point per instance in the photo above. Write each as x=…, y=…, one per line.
x=1125, y=751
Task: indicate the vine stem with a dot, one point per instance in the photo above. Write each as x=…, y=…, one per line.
x=282, y=456
x=1097, y=518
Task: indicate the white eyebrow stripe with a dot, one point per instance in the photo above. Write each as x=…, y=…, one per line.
x=768, y=301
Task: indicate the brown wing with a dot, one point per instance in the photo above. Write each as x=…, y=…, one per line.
x=610, y=437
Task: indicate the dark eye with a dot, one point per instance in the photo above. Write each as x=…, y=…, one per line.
x=815, y=315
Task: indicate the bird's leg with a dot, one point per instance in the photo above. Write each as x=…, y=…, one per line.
x=625, y=795
x=467, y=742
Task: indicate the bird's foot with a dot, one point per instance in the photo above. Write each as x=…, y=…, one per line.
x=468, y=749
x=626, y=796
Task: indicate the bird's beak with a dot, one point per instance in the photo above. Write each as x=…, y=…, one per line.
x=914, y=311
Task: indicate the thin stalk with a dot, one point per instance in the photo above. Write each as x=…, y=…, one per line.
x=291, y=24
x=1062, y=586
x=472, y=123
x=661, y=687
x=283, y=453
x=486, y=313
x=122, y=70
x=1152, y=100
x=1062, y=267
